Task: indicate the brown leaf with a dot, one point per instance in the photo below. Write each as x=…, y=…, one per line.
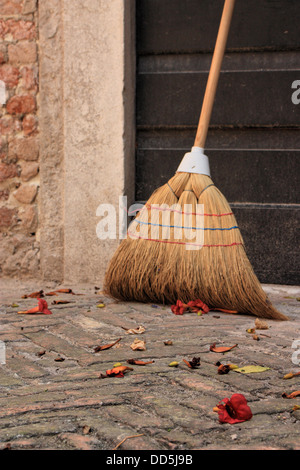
x=34, y=295
x=58, y=302
x=261, y=324
x=106, y=346
x=195, y=362
x=65, y=291
x=135, y=331
x=291, y=395
x=138, y=363
x=86, y=429
x=168, y=342
x=41, y=353
x=223, y=369
x=51, y=293
x=138, y=345
x=59, y=359
x=290, y=375
x=221, y=349
x=117, y=371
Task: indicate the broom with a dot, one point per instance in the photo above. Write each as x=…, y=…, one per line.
x=185, y=243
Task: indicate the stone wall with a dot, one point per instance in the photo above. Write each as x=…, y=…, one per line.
x=19, y=154
x=69, y=71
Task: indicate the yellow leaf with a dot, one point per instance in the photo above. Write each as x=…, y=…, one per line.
x=251, y=369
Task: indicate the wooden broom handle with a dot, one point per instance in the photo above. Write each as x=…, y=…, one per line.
x=214, y=74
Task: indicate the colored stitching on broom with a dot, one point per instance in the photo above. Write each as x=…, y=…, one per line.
x=212, y=184
x=172, y=190
x=181, y=243
x=149, y=207
x=188, y=228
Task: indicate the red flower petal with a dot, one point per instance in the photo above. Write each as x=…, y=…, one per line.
x=43, y=307
x=179, y=308
x=198, y=305
x=235, y=410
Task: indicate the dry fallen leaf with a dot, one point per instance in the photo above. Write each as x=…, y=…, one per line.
x=59, y=359
x=106, y=346
x=251, y=331
x=221, y=349
x=251, y=369
x=135, y=331
x=86, y=429
x=195, y=362
x=41, y=353
x=58, y=302
x=291, y=395
x=115, y=372
x=290, y=375
x=138, y=363
x=34, y=295
x=261, y=324
x=168, y=342
x=138, y=345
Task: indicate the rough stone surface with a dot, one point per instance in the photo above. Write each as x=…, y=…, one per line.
x=19, y=245
x=46, y=404
x=26, y=193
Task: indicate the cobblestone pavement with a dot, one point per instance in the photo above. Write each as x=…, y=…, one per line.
x=50, y=404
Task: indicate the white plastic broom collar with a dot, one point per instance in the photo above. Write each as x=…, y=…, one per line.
x=195, y=162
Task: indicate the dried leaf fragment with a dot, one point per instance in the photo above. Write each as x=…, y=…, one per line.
x=58, y=302
x=34, y=295
x=138, y=345
x=86, y=429
x=116, y=371
x=139, y=363
x=221, y=349
x=223, y=369
x=251, y=331
x=261, y=324
x=59, y=359
x=168, y=342
x=106, y=346
x=251, y=369
x=291, y=395
x=194, y=363
x=290, y=375
x=41, y=353
x=136, y=331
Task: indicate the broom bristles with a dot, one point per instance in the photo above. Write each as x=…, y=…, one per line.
x=159, y=268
